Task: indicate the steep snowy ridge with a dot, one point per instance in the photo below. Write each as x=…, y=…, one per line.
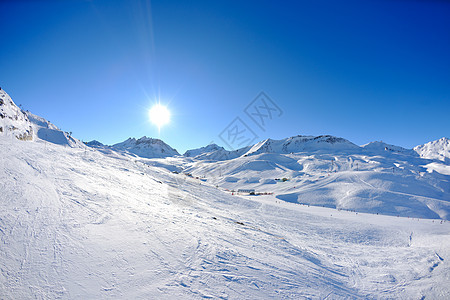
x=146, y=147
x=13, y=121
x=439, y=149
x=301, y=143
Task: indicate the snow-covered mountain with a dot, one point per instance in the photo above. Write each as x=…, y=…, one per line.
x=439, y=149
x=214, y=152
x=146, y=147
x=207, y=149
x=26, y=126
x=222, y=154
x=378, y=146
x=95, y=144
x=13, y=121
x=301, y=143
x=333, y=172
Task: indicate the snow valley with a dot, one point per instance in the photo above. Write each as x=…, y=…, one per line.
x=310, y=217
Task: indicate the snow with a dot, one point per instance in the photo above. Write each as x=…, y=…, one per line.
x=438, y=167
x=46, y=131
x=215, y=153
x=372, y=180
x=301, y=143
x=137, y=220
x=146, y=147
x=95, y=144
x=26, y=126
x=207, y=149
x=76, y=223
x=13, y=121
x=439, y=149
x=380, y=146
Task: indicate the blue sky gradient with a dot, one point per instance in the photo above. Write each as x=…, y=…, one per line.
x=362, y=70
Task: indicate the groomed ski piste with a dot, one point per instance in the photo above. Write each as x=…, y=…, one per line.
x=77, y=223
x=349, y=222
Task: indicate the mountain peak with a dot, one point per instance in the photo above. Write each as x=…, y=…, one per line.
x=94, y=144
x=382, y=146
x=202, y=150
x=438, y=149
x=146, y=147
x=301, y=143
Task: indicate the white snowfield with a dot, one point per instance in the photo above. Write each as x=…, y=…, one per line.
x=76, y=223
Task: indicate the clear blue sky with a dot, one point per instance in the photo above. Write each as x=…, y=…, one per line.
x=362, y=70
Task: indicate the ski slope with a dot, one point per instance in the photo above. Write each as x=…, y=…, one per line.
x=77, y=223
x=376, y=178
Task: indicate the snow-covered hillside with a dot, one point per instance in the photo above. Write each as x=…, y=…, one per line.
x=143, y=147
x=380, y=147
x=146, y=147
x=207, y=149
x=28, y=127
x=13, y=121
x=439, y=149
x=95, y=144
x=213, y=152
x=326, y=171
x=76, y=223
x=301, y=143
x=46, y=131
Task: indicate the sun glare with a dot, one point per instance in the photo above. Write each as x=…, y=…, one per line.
x=159, y=115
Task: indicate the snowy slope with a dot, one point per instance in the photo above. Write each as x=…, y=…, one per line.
x=439, y=149
x=48, y=132
x=146, y=147
x=13, y=121
x=75, y=223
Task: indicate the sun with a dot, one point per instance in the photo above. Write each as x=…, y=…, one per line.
x=159, y=115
